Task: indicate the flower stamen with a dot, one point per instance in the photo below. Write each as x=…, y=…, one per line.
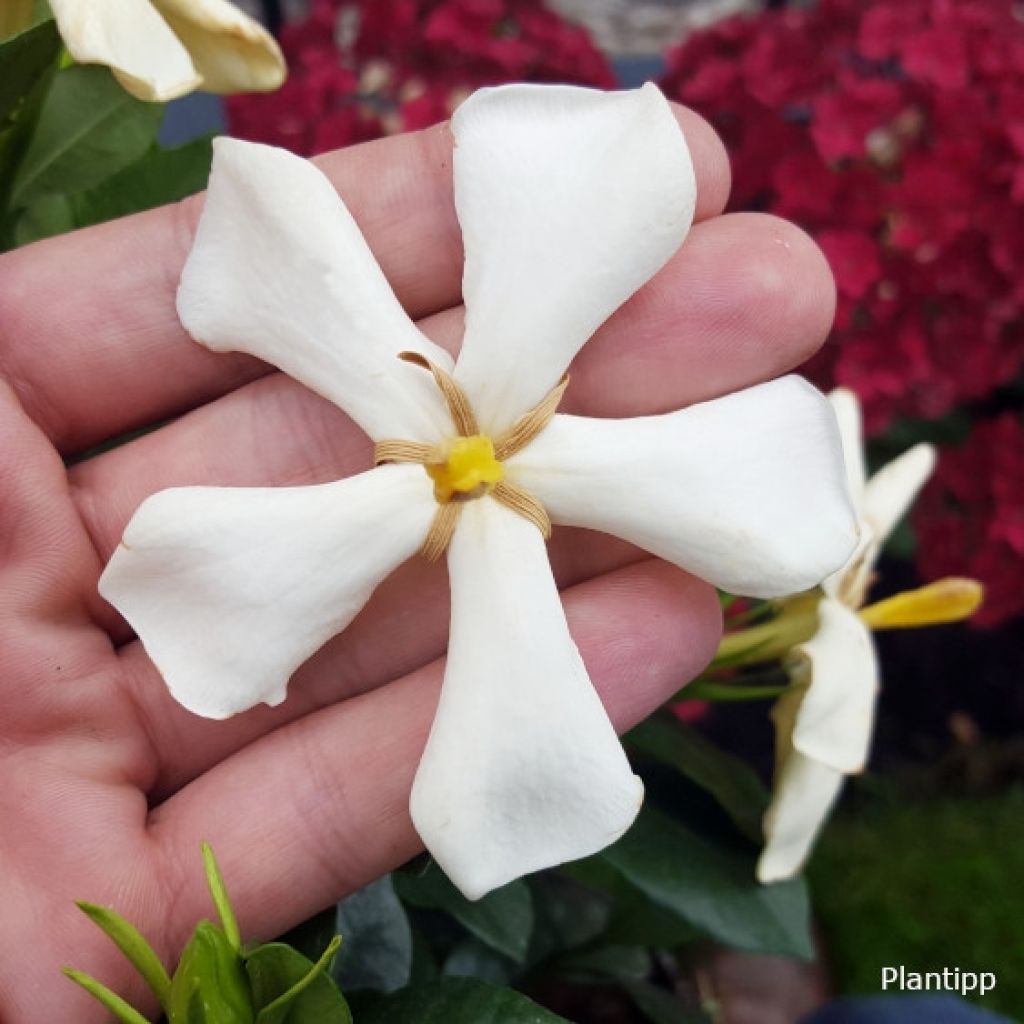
x=471, y=464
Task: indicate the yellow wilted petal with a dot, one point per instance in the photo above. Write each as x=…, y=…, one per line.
x=947, y=600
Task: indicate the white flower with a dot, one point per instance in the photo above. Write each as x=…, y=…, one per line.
x=160, y=49
x=824, y=720
x=569, y=200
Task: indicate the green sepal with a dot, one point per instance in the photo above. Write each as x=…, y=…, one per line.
x=126, y=937
x=210, y=985
x=709, y=690
x=219, y=895
x=288, y=988
x=123, y=1011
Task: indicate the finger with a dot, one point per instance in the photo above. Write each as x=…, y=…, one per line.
x=403, y=626
x=112, y=356
x=47, y=562
x=708, y=324
x=319, y=808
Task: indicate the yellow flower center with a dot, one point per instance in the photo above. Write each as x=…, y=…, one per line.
x=469, y=469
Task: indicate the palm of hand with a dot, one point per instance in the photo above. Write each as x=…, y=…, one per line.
x=110, y=786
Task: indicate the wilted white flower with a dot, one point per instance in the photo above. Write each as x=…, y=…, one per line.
x=825, y=719
x=569, y=200
x=160, y=49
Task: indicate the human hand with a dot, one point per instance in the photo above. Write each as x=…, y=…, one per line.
x=110, y=785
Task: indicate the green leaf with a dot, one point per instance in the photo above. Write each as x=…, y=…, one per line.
x=569, y=914
x=25, y=62
x=288, y=988
x=471, y=958
x=159, y=176
x=732, y=782
x=210, y=985
x=123, y=1011
x=44, y=218
x=219, y=895
x=636, y=920
x=661, y=1007
x=503, y=919
x=89, y=128
x=712, y=886
x=138, y=951
x=378, y=950
x=458, y=1001
x=621, y=963
x=16, y=135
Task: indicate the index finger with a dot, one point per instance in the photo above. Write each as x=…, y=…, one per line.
x=89, y=336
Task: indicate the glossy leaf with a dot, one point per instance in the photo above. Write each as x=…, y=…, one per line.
x=620, y=963
x=457, y=1001
x=660, y=1006
x=123, y=1011
x=711, y=885
x=378, y=952
x=89, y=128
x=44, y=218
x=569, y=914
x=138, y=951
x=472, y=958
x=210, y=985
x=159, y=176
x=25, y=60
x=288, y=988
x=733, y=784
x=15, y=137
x=503, y=919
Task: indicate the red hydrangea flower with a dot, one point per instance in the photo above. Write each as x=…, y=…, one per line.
x=893, y=131
x=359, y=69
x=970, y=517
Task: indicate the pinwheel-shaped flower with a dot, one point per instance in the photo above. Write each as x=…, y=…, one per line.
x=825, y=719
x=568, y=200
x=160, y=49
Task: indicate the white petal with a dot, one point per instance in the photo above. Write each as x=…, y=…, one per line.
x=569, y=200
x=747, y=491
x=847, y=409
x=231, y=51
x=279, y=269
x=522, y=770
x=805, y=791
x=130, y=38
x=231, y=589
x=850, y=584
x=891, y=491
x=836, y=712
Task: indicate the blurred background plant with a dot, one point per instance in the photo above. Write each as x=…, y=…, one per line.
x=892, y=131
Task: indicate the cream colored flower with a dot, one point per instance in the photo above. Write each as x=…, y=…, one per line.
x=160, y=49
x=569, y=200
x=824, y=720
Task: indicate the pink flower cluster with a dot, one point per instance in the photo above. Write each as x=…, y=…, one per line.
x=893, y=131
x=359, y=69
x=970, y=517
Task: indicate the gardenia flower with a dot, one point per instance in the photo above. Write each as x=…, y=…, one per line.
x=160, y=49
x=568, y=200
x=825, y=718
